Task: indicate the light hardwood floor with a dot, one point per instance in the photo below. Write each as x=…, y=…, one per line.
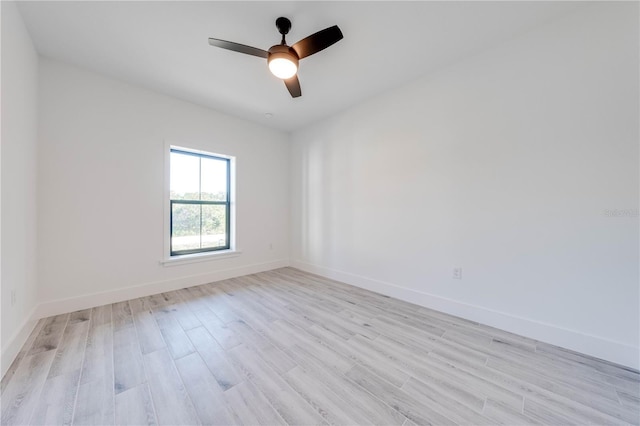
x=286, y=347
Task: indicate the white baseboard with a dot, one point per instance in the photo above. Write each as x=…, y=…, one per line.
x=61, y=306
x=15, y=342
x=596, y=346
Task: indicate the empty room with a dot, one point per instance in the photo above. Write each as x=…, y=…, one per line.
x=341, y=212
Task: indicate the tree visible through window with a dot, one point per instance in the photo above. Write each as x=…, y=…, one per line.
x=199, y=202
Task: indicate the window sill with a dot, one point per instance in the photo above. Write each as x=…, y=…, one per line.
x=200, y=257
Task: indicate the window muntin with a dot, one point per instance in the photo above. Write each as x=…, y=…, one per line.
x=200, y=207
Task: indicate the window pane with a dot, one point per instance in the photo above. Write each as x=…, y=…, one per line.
x=185, y=177
x=214, y=226
x=214, y=179
x=186, y=227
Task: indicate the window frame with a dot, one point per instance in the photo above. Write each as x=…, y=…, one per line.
x=176, y=257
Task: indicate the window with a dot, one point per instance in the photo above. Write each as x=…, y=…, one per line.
x=199, y=202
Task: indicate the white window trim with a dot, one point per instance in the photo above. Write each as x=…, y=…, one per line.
x=233, y=251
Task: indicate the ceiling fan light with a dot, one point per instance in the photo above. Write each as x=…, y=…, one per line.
x=283, y=65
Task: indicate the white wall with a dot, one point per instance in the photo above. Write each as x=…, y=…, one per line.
x=102, y=151
x=18, y=177
x=504, y=165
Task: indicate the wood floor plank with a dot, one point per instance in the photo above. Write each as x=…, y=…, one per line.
x=325, y=402
x=172, y=403
x=83, y=315
x=361, y=402
x=251, y=317
x=98, y=358
x=250, y=407
x=182, y=312
x=559, y=403
x=95, y=403
x=624, y=384
x=250, y=336
x=371, y=361
x=466, y=337
x=457, y=409
x=431, y=341
x=215, y=358
x=127, y=355
x=195, y=297
x=611, y=408
x=408, y=422
x=473, y=382
x=58, y=397
x=546, y=414
x=442, y=382
x=328, y=320
x=361, y=323
x=148, y=331
x=173, y=334
x=264, y=292
x=313, y=346
x=50, y=334
x=57, y=400
x=22, y=392
x=70, y=352
x=278, y=333
x=134, y=407
x=203, y=389
x=121, y=315
x=455, y=382
x=629, y=400
x=504, y=414
x=242, y=298
x=403, y=335
x=557, y=373
x=219, y=330
x=408, y=405
x=289, y=405
x=347, y=299
x=276, y=358
x=426, y=325
x=220, y=303
x=158, y=301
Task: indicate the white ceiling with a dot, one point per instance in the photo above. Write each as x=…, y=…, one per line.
x=163, y=46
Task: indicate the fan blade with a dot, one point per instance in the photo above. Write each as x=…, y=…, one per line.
x=237, y=47
x=293, y=85
x=317, y=42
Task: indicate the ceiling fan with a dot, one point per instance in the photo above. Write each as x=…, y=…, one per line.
x=283, y=59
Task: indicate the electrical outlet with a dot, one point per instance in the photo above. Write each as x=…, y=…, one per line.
x=13, y=297
x=457, y=273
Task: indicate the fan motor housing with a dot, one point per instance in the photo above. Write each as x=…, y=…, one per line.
x=283, y=51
